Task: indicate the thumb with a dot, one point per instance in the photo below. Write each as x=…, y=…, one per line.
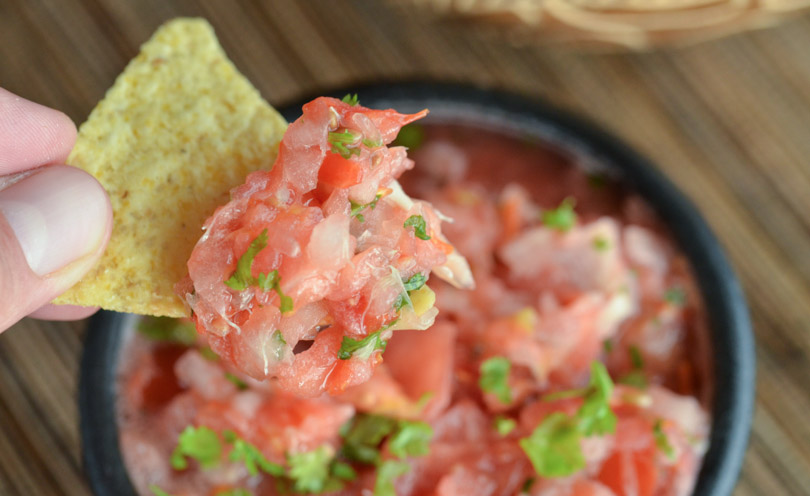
x=54, y=226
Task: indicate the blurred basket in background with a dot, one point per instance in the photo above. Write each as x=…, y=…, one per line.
x=635, y=24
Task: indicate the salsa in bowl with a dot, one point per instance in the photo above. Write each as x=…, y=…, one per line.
x=605, y=349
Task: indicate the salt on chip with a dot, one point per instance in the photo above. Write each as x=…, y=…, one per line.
x=179, y=128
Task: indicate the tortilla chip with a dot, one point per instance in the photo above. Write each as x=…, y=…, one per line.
x=178, y=129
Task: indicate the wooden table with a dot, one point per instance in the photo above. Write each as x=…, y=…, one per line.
x=728, y=121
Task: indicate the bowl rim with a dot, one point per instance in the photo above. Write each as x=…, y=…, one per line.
x=732, y=340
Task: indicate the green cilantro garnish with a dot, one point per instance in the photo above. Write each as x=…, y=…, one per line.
x=419, y=226
x=199, y=443
x=561, y=218
x=363, y=348
x=350, y=99
x=158, y=491
x=411, y=439
x=359, y=207
x=635, y=357
x=340, y=142
x=554, y=446
x=504, y=425
x=527, y=485
x=280, y=343
x=675, y=296
x=495, y=378
x=242, y=276
x=234, y=492
x=250, y=455
x=310, y=471
x=662, y=441
x=387, y=472
x=415, y=282
x=362, y=436
x=208, y=354
x=343, y=471
x=600, y=243
x=239, y=383
x=411, y=136
x=272, y=281
x=607, y=345
x=636, y=377
x=168, y=329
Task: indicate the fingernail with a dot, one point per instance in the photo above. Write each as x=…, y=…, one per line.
x=59, y=215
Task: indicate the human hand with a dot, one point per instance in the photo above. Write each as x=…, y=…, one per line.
x=55, y=220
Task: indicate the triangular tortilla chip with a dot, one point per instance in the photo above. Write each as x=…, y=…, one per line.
x=178, y=129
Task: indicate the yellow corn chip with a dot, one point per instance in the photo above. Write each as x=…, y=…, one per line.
x=179, y=128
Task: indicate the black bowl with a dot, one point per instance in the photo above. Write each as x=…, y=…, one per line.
x=732, y=344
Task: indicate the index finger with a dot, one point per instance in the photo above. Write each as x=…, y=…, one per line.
x=31, y=134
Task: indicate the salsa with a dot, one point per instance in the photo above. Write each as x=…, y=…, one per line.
x=574, y=367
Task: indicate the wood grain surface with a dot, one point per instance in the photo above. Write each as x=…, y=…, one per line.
x=728, y=121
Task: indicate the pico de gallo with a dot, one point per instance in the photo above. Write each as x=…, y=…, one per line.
x=573, y=368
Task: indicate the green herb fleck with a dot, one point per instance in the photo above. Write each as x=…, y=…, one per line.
x=600, y=243
x=351, y=99
x=250, y=455
x=636, y=379
x=411, y=439
x=554, y=446
x=495, y=378
x=527, y=485
x=272, y=281
x=310, y=471
x=209, y=354
x=411, y=136
x=239, y=383
x=168, y=329
x=635, y=357
x=340, y=143
x=356, y=208
x=561, y=218
x=242, y=276
x=199, y=443
x=158, y=491
x=363, y=348
x=387, y=472
x=675, y=296
x=419, y=226
x=362, y=436
x=415, y=282
x=504, y=425
x=234, y=492
x=607, y=345
x=343, y=471
x=662, y=441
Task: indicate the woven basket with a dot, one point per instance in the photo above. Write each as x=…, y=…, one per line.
x=636, y=24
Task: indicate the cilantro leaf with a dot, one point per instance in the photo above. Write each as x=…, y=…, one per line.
x=419, y=226
x=387, y=472
x=411, y=136
x=363, y=348
x=199, y=443
x=350, y=99
x=600, y=243
x=411, y=439
x=504, y=425
x=362, y=437
x=250, y=455
x=561, y=218
x=415, y=282
x=242, y=276
x=234, y=492
x=495, y=378
x=635, y=357
x=595, y=415
x=208, y=354
x=236, y=381
x=636, y=379
x=554, y=446
x=607, y=345
x=158, y=491
x=272, y=281
x=662, y=441
x=343, y=471
x=356, y=208
x=310, y=471
x=675, y=296
x=168, y=329
x=340, y=142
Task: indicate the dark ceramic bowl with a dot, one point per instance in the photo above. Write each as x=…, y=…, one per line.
x=732, y=345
